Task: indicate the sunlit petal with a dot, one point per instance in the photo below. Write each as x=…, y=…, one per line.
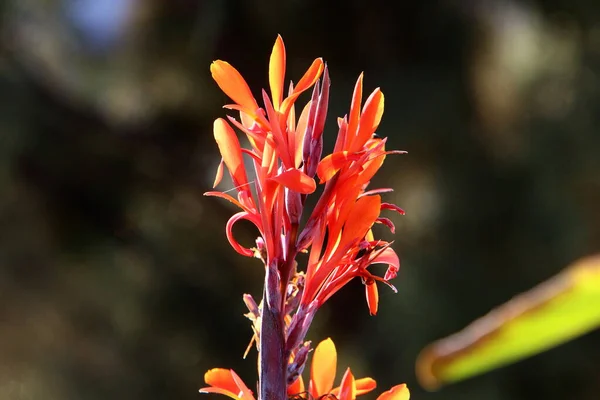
x=398, y=392
x=322, y=373
x=296, y=180
x=277, y=72
x=348, y=386
x=233, y=85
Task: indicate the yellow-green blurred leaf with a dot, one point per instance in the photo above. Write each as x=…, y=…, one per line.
x=558, y=310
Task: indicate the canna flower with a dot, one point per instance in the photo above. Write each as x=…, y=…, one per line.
x=286, y=155
x=346, y=212
x=276, y=152
x=322, y=376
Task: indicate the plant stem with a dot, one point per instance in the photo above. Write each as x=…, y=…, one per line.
x=273, y=365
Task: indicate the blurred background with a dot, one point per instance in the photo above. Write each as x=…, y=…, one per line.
x=116, y=280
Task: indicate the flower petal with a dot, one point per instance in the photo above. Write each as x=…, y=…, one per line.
x=369, y=119
x=219, y=391
x=219, y=175
x=221, y=378
x=332, y=163
x=361, y=218
x=310, y=77
x=277, y=72
x=322, y=373
x=229, y=229
x=372, y=296
x=296, y=388
x=354, y=112
x=348, y=386
x=230, y=149
x=398, y=392
x=393, y=207
x=365, y=385
x=388, y=256
x=226, y=197
x=296, y=180
x=233, y=85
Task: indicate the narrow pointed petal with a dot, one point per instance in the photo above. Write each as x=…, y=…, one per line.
x=277, y=72
x=226, y=197
x=230, y=149
x=296, y=180
x=348, y=386
x=398, y=392
x=369, y=119
x=309, y=79
x=387, y=222
x=393, y=207
x=310, y=76
x=300, y=131
x=220, y=391
x=354, y=116
x=233, y=85
x=372, y=296
x=219, y=175
x=322, y=373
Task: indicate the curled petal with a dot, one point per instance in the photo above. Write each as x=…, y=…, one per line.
x=296, y=180
x=387, y=222
x=233, y=85
x=388, y=256
x=393, y=207
x=322, y=373
x=398, y=392
x=229, y=229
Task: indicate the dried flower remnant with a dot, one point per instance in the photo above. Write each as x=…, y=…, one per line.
x=286, y=155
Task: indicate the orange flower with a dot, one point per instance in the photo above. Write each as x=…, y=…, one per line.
x=346, y=212
x=227, y=382
x=322, y=376
x=276, y=152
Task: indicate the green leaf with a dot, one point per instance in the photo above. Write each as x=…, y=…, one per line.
x=556, y=311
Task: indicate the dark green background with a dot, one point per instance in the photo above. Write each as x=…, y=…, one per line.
x=116, y=280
